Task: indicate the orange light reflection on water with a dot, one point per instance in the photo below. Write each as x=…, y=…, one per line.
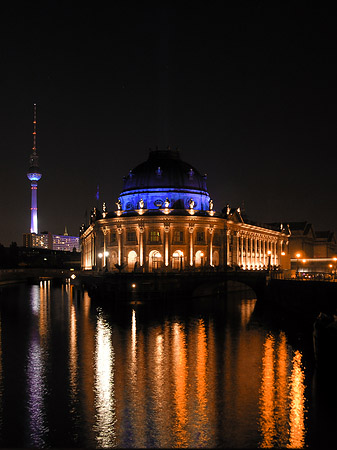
x=179, y=378
x=201, y=378
x=282, y=395
x=104, y=386
x=297, y=409
x=267, y=419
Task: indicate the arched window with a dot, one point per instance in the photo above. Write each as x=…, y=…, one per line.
x=200, y=258
x=155, y=260
x=113, y=257
x=132, y=259
x=178, y=260
x=216, y=259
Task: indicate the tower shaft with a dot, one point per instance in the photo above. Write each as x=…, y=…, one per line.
x=33, y=208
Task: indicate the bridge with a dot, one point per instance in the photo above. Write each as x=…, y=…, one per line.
x=33, y=274
x=300, y=298
x=192, y=283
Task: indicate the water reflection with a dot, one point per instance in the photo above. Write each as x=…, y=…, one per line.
x=73, y=356
x=104, y=385
x=1, y=385
x=201, y=376
x=132, y=379
x=179, y=362
x=36, y=378
x=282, y=395
x=297, y=406
x=87, y=375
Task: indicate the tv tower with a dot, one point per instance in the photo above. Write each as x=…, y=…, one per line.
x=34, y=174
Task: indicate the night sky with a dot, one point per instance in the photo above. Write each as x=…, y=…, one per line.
x=247, y=92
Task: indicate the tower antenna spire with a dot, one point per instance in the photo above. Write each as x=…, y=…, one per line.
x=34, y=129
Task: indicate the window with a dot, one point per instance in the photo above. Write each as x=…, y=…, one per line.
x=154, y=236
x=216, y=239
x=113, y=238
x=178, y=236
x=131, y=236
x=200, y=236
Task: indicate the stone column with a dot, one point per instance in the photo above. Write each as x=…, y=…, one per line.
x=275, y=253
x=167, y=245
x=190, y=230
x=105, y=231
x=251, y=251
x=93, y=249
x=264, y=252
x=247, y=260
x=228, y=258
x=260, y=251
x=120, y=248
x=141, y=245
x=241, y=249
x=211, y=229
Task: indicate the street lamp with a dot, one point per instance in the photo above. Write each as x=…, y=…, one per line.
x=298, y=255
x=100, y=255
x=106, y=254
x=269, y=259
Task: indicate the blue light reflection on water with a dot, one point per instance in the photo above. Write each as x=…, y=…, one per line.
x=133, y=379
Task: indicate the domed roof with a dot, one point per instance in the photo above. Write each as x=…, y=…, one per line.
x=164, y=169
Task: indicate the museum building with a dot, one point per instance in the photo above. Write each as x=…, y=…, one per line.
x=165, y=220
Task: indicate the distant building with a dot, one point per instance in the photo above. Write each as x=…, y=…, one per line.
x=312, y=251
x=66, y=243
x=309, y=243
x=165, y=220
x=52, y=241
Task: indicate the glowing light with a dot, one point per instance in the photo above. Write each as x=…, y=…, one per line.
x=179, y=366
x=282, y=253
x=100, y=255
x=298, y=255
x=297, y=407
x=133, y=285
x=267, y=420
x=104, y=386
x=201, y=381
x=73, y=276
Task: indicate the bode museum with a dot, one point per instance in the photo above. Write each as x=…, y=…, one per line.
x=165, y=220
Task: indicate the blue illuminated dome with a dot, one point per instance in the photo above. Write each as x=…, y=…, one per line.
x=164, y=176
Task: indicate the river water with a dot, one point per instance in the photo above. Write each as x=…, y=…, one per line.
x=74, y=373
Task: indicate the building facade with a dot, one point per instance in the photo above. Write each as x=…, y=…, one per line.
x=312, y=252
x=165, y=220
x=52, y=241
